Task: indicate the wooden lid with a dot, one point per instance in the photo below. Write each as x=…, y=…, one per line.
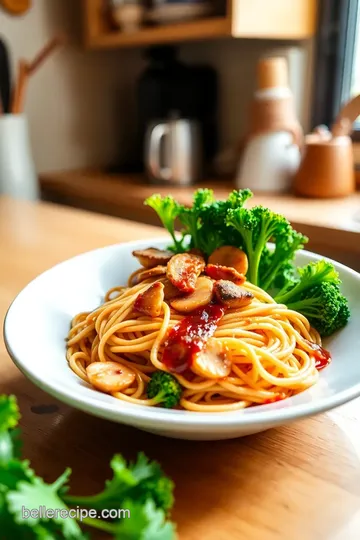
x=272, y=72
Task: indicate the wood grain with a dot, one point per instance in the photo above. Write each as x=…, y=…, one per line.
x=215, y=27
x=94, y=23
x=278, y=19
x=301, y=481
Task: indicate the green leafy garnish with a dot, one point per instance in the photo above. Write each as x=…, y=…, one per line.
x=141, y=489
x=9, y=413
x=147, y=523
x=33, y=494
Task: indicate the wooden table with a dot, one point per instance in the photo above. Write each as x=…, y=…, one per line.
x=300, y=482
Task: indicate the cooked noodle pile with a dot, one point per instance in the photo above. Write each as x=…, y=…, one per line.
x=270, y=348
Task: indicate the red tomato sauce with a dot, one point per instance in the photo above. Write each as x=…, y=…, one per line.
x=189, y=337
x=322, y=356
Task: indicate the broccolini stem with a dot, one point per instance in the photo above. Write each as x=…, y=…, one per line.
x=255, y=260
x=177, y=243
x=159, y=397
x=282, y=298
x=249, y=250
x=254, y=268
x=270, y=276
x=307, y=305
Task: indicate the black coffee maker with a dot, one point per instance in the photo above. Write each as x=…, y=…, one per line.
x=169, y=86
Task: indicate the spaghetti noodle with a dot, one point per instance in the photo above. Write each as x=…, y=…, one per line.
x=274, y=352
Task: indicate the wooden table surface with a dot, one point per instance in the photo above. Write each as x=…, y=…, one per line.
x=299, y=482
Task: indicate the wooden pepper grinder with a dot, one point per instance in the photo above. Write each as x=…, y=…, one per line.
x=327, y=167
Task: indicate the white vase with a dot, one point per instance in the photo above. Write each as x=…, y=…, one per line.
x=18, y=177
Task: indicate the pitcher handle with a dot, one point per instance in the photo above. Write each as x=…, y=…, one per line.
x=157, y=170
x=344, y=122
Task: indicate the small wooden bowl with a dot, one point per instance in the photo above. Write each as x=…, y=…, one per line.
x=327, y=168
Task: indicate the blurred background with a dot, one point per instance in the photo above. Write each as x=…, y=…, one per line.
x=107, y=101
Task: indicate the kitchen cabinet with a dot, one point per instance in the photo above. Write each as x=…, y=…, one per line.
x=256, y=19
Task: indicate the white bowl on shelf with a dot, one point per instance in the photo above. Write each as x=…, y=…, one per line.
x=38, y=321
x=129, y=16
x=164, y=13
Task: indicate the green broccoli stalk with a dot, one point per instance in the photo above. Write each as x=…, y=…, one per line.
x=165, y=389
x=257, y=226
x=280, y=260
x=168, y=210
x=324, y=306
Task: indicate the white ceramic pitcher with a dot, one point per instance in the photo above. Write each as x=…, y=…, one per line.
x=18, y=177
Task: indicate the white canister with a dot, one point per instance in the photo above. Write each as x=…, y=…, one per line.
x=269, y=163
x=18, y=177
x=272, y=157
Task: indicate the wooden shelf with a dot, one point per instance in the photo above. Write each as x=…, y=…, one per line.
x=256, y=19
x=215, y=27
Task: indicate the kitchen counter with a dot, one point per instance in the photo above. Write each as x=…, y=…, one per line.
x=333, y=224
x=300, y=481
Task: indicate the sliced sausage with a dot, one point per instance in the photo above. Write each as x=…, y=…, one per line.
x=141, y=275
x=230, y=256
x=216, y=271
x=231, y=295
x=199, y=298
x=151, y=257
x=170, y=292
x=183, y=270
x=150, y=302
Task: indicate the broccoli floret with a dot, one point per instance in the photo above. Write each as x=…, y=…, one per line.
x=190, y=218
x=343, y=315
x=238, y=198
x=213, y=218
x=316, y=294
x=165, y=389
x=168, y=210
x=321, y=305
x=204, y=222
x=312, y=274
x=257, y=226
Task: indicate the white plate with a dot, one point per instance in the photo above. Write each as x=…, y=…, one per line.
x=39, y=318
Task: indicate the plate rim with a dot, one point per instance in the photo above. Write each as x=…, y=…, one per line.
x=169, y=418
